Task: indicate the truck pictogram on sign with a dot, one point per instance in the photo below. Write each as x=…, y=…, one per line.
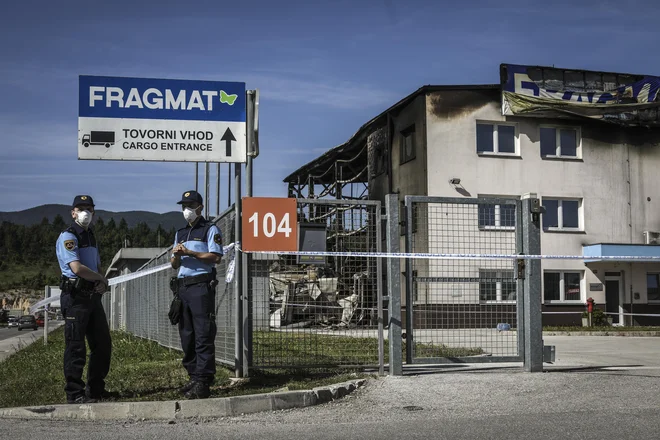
x=106, y=138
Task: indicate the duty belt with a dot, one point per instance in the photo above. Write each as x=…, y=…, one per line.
x=76, y=285
x=187, y=281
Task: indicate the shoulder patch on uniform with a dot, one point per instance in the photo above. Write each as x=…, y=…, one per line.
x=217, y=239
x=69, y=245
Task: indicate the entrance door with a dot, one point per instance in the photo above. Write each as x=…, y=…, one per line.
x=612, y=299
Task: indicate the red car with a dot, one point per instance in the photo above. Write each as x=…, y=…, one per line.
x=40, y=321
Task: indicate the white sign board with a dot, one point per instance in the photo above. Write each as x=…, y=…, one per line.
x=161, y=120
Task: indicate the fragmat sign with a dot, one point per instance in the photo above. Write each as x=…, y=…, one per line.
x=168, y=120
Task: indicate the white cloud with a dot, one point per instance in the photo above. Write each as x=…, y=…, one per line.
x=321, y=91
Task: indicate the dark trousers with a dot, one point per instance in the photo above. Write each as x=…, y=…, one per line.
x=197, y=329
x=85, y=318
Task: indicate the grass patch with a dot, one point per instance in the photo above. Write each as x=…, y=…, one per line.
x=609, y=329
x=301, y=348
x=143, y=370
x=139, y=370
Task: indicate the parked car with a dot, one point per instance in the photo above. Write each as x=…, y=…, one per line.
x=27, y=321
x=40, y=321
x=12, y=321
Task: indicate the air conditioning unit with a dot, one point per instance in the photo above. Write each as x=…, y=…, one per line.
x=651, y=237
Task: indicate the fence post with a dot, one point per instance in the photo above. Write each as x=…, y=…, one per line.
x=246, y=263
x=238, y=277
x=533, y=328
x=520, y=283
x=409, y=281
x=393, y=286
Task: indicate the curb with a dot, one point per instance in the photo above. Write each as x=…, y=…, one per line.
x=186, y=409
x=607, y=333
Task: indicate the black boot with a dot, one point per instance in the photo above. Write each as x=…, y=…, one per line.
x=187, y=387
x=199, y=390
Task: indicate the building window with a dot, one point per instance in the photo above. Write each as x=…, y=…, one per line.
x=407, y=145
x=560, y=142
x=497, y=286
x=562, y=286
x=562, y=214
x=496, y=138
x=494, y=216
x=653, y=287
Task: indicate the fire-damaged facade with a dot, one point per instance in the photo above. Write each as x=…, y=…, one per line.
x=587, y=143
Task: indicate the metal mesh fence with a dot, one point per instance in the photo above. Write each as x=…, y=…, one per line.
x=320, y=311
x=140, y=306
x=462, y=307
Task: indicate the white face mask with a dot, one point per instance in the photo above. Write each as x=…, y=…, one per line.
x=190, y=214
x=84, y=218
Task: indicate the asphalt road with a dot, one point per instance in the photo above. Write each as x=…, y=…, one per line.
x=598, y=388
x=11, y=339
x=6, y=333
x=481, y=405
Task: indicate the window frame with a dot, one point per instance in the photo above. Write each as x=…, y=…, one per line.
x=562, y=287
x=560, y=214
x=498, y=219
x=558, y=128
x=407, y=133
x=648, y=300
x=496, y=152
x=489, y=200
x=498, y=285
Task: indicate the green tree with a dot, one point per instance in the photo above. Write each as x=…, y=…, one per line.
x=27, y=253
x=58, y=223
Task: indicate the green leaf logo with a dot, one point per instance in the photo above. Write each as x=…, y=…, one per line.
x=227, y=99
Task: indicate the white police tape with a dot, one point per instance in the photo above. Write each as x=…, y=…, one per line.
x=228, y=251
x=231, y=249
x=139, y=274
x=456, y=256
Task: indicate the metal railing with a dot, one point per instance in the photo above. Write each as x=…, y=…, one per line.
x=140, y=306
x=315, y=311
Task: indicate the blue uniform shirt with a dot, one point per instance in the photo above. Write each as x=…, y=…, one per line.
x=69, y=249
x=194, y=238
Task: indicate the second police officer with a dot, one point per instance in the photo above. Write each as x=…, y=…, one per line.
x=197, y=249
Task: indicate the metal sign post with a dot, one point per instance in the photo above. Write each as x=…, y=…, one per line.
x=217, y=191
x=207, y=209
x=244, y=301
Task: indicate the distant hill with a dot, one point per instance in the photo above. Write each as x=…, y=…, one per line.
x=34, y=215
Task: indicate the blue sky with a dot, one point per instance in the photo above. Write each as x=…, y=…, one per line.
x=322, y=68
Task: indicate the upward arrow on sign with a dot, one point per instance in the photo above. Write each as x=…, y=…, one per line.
x=228, y=137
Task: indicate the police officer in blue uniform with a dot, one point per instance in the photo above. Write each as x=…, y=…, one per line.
x=197, y=249
x=82, y=285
